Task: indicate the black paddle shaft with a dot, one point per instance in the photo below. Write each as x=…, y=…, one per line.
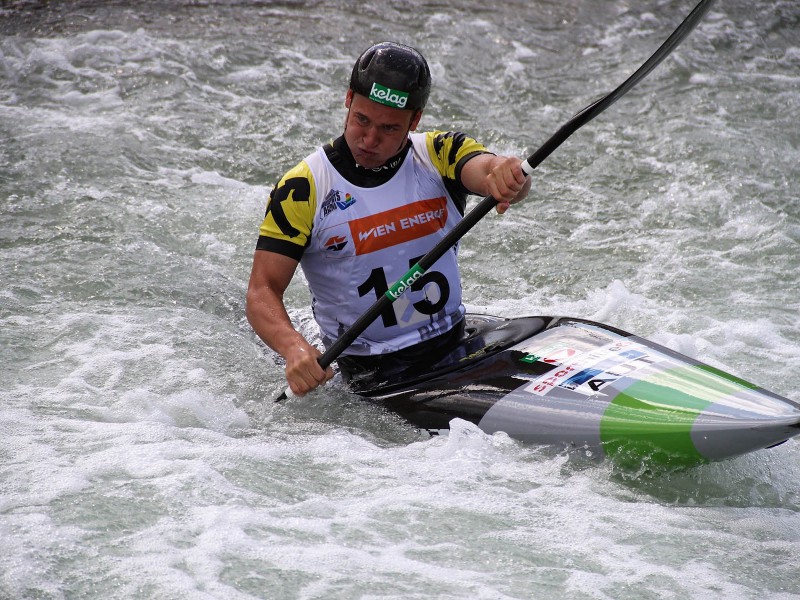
x=488, y=203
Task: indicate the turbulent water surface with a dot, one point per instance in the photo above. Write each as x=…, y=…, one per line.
x=141, y=455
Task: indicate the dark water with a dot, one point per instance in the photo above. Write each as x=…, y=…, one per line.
x=140, y=455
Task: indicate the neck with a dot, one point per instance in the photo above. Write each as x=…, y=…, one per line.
x=342, y=159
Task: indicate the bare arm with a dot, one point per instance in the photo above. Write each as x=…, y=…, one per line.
x=267, y=315
x=498, y=176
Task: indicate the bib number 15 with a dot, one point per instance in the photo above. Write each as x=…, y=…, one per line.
x=377, y=282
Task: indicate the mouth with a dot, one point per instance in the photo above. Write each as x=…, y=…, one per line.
x=365, y=158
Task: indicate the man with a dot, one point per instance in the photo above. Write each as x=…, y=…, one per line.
x=360, y=211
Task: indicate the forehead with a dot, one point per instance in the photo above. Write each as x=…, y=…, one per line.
x=379, y=113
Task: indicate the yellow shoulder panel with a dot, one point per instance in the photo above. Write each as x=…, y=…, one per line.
x=446, y=148
x=291, y=207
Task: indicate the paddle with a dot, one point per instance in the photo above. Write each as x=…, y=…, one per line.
x=488, y=203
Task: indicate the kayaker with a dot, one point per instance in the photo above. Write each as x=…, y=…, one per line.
x=360, y=211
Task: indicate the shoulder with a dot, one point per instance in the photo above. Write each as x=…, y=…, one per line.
x=448, y=148
x=290, y=210
x=448, y=151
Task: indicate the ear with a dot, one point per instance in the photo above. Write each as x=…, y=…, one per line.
x=415, y=121
x=348, y=99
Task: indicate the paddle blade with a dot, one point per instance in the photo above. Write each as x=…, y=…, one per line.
x=287, y=393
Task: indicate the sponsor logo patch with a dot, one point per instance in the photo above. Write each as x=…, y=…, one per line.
x=334, y=200
x=329, y=204
x=336, y=243
x=555, y=354
x=405, y=282
x=601, y=366
x=388, y=96
x=399, y=225
x=346, y=203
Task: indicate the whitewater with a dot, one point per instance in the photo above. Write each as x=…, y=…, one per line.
x=141, y=455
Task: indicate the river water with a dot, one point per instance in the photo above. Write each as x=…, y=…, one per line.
x=141, y=455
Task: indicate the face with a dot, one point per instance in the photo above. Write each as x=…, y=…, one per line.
x=374, y=132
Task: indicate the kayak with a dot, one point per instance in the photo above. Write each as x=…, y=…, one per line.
x=576, y=383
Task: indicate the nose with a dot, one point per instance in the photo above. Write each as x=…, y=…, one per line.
x=371, y=137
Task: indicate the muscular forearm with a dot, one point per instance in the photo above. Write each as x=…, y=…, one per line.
x=268, y=318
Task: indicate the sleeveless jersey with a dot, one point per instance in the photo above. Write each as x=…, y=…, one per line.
x=355, y=242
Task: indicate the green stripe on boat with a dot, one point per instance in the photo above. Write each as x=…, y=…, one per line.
x=654, y=417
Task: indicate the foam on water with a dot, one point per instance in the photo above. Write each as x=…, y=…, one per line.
x=140, y=452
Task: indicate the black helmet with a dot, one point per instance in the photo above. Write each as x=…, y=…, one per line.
x=392, y=74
